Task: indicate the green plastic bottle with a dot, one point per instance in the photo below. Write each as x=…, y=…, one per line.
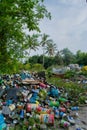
x=54, y=103
x=62, y=99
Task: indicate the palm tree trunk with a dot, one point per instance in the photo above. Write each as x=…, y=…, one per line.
x=43, y=56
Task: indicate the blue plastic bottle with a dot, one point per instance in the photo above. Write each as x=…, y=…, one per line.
x=56, y=111
x=22, y=114
x=74, y=108
x=77, y=127
x=62, y=114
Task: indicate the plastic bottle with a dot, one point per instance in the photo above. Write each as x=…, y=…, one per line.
x=22, y=114
x=64, y=123
x=56, y=112
x=42, y=85
x=75, y=108
x=43, y=110
x=62, y=99
x=63, y=109
x=62, y=114
x=54, y=103
x=31, y=107
x=47, y=118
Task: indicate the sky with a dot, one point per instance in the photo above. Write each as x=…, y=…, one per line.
x=68, y=26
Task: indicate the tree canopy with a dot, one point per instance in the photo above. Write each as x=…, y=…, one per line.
x=15, y=17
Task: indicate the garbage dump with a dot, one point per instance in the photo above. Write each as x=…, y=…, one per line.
x=31, y=104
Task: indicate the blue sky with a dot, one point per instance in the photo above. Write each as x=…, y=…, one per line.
x=68, y=26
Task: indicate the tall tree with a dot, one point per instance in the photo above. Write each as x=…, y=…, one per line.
x=81, y=57
x=15, y=16
x=44, y=42
x=32, y=43
x=68, y=56
x=58, y=58
x=51, y=48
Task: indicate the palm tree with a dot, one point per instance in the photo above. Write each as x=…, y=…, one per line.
x=45, y=41
x=51, y=48
x=31, y=44
x=58, y=58
x=68, y=56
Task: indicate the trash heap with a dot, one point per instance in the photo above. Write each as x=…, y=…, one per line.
x=32, y=104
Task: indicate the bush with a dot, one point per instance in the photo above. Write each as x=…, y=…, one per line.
x=37, y=67
x=84, y=68
x=70, y=74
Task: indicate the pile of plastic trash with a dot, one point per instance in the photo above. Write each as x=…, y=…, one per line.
x=21, y=101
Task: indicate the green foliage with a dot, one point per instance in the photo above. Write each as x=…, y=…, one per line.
x=81, y=58
x=48, y=46
x=15, y=17
x=82, y=99
x=11, y=66
x=83, y=73
x=51, y=48
x=27, y=66
x=43, y=94
x=49, y=71
x=49, y=61
x=74, y=90
x=70, y=74
x=68, y=56
x=37, y=67
x=32, y=43
x=31, y=121
x=34, y=59
x=58, y=58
